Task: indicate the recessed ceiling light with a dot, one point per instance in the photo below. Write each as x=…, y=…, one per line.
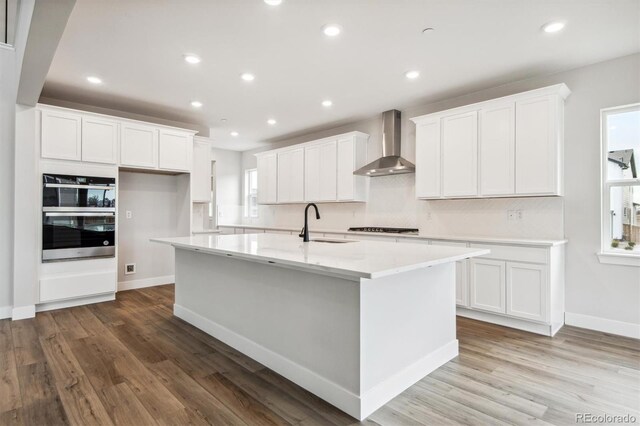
x=273, y=2
x=94, y=80
x=192, y=59
x=223, y=120
x=196, y=104
x=331, y=30
x=327, y=103
x=553, y=27
x=412, y=74
x=248, y=76
x=234, y=134
x=271, y=122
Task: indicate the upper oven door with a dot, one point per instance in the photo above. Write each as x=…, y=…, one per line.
x=78, y=193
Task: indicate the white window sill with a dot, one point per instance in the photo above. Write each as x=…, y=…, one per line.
x=619, y=258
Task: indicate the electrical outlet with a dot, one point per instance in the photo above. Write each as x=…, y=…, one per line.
x=130, y=268
x=519, y=215
x=511, y=215
x=129, y=214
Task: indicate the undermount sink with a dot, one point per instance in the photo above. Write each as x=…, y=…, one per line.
x=323, y=240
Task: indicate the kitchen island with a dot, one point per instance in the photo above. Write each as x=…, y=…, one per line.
x=353, y=322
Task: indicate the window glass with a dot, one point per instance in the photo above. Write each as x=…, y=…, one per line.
x=623, y=144
x=624, y=203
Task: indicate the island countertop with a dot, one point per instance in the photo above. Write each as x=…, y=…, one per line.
x=353, y=259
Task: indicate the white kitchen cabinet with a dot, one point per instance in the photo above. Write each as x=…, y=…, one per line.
x=99, y=140
x=174, y=150
x=352, y=154
x=527, y=291
x=320, y=172
x=290, y=176
x=487, y=285
x=538, y=148
x=497, y=150
x=462, y=273
x=61, y=135
x=428, y=183
x=505, y=147
x=267, y=178
x=460, y=155
x=201, y=172
x=138, y=145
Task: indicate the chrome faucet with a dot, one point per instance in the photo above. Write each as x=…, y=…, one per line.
x=305, y=231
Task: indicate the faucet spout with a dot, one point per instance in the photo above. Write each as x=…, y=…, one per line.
x=305, y=230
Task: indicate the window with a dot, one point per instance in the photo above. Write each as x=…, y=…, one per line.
x=621, y=185
x=251, y=193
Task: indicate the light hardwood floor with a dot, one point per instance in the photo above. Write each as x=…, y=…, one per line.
x=130, y=362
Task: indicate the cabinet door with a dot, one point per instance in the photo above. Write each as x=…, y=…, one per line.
x=497, y=146
x=462, y=274
x=487, y=285
x=291, y=176
x=537, y=146
x=527, y=291
x=320, y=172
x=175, y=149
x=99, y=140
x=267, y=179
x=61, y=135
x=201, y=173
x=138, y=145
x=346, y=163
x=460, y=155
x=284, y=177
x=428, y=160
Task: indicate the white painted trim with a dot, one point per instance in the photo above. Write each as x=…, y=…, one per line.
x=335, y=394
x=5, y=312
x=23, y=312
x=395, y=385
x=146, y=282
x=505, y=321
x=75, y=302
x=619, y=259
x=627, y=329
x=5, y=46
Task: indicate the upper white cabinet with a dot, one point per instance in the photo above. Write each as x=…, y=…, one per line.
x=538, y=151
x=100, y=140
x=61, y=135
x=320, y=171
x=460, y=155
x=504, y=147
x=317, y=171
x=83, y=136
x=139, y=145
x=428, y=184
x=201, y=171
x=290, y=176
x=267, y=178
x=175, y=150
x=497, y=150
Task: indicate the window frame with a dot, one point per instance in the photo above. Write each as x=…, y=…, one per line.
x=247, y=194
x=606, y=253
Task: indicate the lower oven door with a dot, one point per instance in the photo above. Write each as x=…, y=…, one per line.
x=76, y=235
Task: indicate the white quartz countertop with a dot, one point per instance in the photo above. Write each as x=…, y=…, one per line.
x=356, y=259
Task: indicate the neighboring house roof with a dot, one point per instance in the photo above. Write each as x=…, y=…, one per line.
x=625, y=159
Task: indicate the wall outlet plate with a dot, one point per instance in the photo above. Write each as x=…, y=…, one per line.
x=129, y=214
x=130, y=268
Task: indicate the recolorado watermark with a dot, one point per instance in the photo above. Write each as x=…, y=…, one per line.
x=589, y=418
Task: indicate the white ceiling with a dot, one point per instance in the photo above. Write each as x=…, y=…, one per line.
x=137, y=47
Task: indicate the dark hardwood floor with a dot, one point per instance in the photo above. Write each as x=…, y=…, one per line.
x=130, y=362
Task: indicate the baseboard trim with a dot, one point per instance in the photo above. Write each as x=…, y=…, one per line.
x=69, y=303
x=146, y=282
x=23, y=312
x=5, y=312
x=604, y=325
x=516, y=323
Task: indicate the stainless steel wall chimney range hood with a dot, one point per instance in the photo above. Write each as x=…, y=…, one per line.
x=391, y=163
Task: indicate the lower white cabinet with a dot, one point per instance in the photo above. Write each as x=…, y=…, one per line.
x=527, y=291
x=138, y=145
x=487, y=285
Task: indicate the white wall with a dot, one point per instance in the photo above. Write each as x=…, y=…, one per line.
x=228, y=185
x=593, y=289
x=153, y=201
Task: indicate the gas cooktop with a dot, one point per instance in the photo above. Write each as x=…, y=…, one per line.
x=385, y=230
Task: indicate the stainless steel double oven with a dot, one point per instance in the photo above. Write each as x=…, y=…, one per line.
x=78, y=217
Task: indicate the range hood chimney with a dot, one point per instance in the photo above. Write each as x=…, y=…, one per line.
x=391, y=163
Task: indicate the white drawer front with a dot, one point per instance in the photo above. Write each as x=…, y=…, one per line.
x=80, y=285
x=514, y=253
